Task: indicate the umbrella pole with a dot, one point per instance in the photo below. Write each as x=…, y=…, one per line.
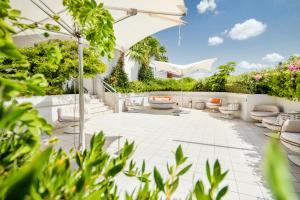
x=181, y=95
x=81, y=95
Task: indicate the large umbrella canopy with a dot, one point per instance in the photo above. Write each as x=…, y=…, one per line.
x=183, y=70
x=134, y=19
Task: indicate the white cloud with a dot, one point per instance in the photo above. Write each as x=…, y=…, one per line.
x=216, y=40
x=206, y=5
x=247, y=29
x=273, y=57
x=247, y=65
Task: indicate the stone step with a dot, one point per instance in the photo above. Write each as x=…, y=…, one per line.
x=95, y=102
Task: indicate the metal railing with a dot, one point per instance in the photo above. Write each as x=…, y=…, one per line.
x=108, y=88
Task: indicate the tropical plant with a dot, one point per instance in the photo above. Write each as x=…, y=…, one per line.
x=57, y=60
x=143, y=51
x=118, y=77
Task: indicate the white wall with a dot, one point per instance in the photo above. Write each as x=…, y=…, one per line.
x=48, y=105
x=131, y=68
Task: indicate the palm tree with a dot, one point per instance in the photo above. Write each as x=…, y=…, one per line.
x=143, y=51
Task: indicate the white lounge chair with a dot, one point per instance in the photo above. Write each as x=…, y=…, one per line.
x=261, y=111
x=230, y=110
x=132, y=105
x=214, y=104
x=290, y=137
x=275, y=123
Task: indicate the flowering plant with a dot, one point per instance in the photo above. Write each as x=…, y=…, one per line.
x=257, y=77
x=293, y=68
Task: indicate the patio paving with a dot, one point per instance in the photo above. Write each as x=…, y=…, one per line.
x=238, y=145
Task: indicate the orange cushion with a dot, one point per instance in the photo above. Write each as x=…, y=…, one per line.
x=215, y=100
x=162, y=98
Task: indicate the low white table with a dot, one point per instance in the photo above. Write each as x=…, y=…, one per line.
x=200, y=105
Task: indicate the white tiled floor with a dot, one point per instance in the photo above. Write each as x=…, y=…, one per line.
x=204, y=136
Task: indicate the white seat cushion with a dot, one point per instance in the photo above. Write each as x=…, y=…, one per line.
x=291, y=137
x=223, y=108
x=270, y=120
x=263, y=114
x=213, y=104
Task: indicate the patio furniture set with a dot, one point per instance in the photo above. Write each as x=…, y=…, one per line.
x=214, y=104
x=284, y=126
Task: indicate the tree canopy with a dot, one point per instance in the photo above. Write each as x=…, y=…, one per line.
x=143, y=51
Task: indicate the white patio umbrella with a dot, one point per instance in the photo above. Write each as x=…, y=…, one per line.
x=184, y=70
x=134, y=20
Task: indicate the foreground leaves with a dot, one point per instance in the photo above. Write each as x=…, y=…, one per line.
x=277, y=172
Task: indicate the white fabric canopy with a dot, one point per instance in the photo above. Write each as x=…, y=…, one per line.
x=134, y=20
x=139, y=18
x=182, y=70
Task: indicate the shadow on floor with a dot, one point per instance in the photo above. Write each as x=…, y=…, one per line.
x=259, y=142
x=69, y=141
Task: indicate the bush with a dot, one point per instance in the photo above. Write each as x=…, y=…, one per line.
x=118, y=77
x=145, y=74
x=216, y=82
x=188, y=84
x=57, y=60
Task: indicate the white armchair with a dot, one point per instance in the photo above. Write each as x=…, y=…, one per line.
x=230, y=110
x=214, y=104
x=290, y=138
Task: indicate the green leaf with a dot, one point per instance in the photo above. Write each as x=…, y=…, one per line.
x=115, y=170
x=222, y=192
x=14, y=13
x=208, y=174
x=217, y=169
x=178, y=155
x=174, y=185
x=277, y=172
x=143, y=166
x=199, y=191
x=19, y=182
x=94, y=195
x=184, y=170
x=158, y=180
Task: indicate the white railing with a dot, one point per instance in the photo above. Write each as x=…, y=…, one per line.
x=108, y=88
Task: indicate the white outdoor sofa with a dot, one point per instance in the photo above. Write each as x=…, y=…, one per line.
x=261, y=111
x=161, y=102
x=290, y=138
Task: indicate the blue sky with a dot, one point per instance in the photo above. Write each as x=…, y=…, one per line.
x=253, y=33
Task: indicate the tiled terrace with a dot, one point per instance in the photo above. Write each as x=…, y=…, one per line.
x=238, y=145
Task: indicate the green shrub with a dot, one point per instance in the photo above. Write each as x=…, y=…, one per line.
x=216, y=82
x=118, y=77
x=56, y=59
x=145, y=74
